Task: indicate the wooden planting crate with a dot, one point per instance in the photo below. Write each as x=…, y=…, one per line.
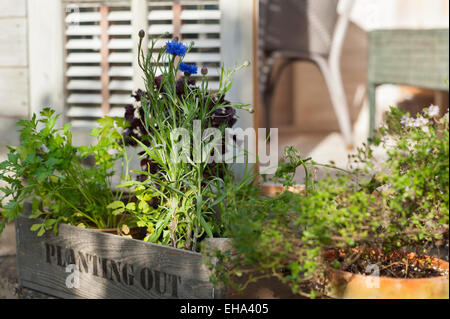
x=109, y=266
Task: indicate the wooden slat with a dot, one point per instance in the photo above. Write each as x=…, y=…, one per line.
x=160, y=15
x=200, y=28
x=80, y=44
x=117, y=111
x=195, y=58
x=157, y=29
x=84, y=124
x=121, y=71
x=83, y=17
x=120, y=44
x=78, y=30
x=84, y=71
x=121, y=99
x=207, y=43
x=83, y=58
x=200, y=15
x=119, y=57
x=88, y=85
x=198, y=43
x=121, y=85
x=83, y=111
x=120, y=29
x=84, y=99
x=120, y=16
x=202, y=57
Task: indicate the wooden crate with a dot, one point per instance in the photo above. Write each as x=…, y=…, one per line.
x=109, y=266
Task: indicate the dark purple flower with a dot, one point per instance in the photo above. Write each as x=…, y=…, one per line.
x=128, y=135
x=180, y=85
x=141, y=178
x=158, y=83
x=129, y=113
x=224, y=116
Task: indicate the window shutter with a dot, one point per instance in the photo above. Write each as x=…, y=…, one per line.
x=190, y=20
x=99, y=50
x=98, y=60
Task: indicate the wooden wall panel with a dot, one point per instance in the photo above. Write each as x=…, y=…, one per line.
x=13, y=92
x=13, y=42
x=13, y=8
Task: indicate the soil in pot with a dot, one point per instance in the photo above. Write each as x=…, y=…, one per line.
x=125, y=231
x=374, y=275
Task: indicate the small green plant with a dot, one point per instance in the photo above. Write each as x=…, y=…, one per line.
x=390, y=204
x=48, y=170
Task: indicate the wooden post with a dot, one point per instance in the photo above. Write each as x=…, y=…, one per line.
x=45, y=55
x=256, y=96
x=237, y=31
x=139, y=11
x=176, y=8
x=104, y=52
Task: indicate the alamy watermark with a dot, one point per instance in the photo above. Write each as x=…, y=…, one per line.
x=73, y=279
x=240, y=146
x=373, y=273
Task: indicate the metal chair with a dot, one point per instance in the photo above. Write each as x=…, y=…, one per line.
x=310, y=30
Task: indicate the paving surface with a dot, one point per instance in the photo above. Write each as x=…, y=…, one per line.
x=9, y=288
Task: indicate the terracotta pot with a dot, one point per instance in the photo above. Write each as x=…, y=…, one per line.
x=273, y=190
x=346, y=285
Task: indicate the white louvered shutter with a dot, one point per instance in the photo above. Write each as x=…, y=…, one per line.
x=190, y=20
x=99, y=50
x=98, y=61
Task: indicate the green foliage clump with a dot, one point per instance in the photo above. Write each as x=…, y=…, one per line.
x=179, y=186
x=47, y=169
x=398, y=202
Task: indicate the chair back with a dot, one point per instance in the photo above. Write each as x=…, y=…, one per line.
x=297, y=26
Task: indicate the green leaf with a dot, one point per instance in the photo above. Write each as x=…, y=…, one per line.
x=118, y=211
x=35, y=227
x=116, y=204
x=41, y=232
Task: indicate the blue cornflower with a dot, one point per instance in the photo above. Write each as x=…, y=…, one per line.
x=188, y=68
x=176, y=48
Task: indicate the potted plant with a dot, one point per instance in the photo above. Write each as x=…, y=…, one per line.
x=173, y=124
x=174, y=197
x=364, y=233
